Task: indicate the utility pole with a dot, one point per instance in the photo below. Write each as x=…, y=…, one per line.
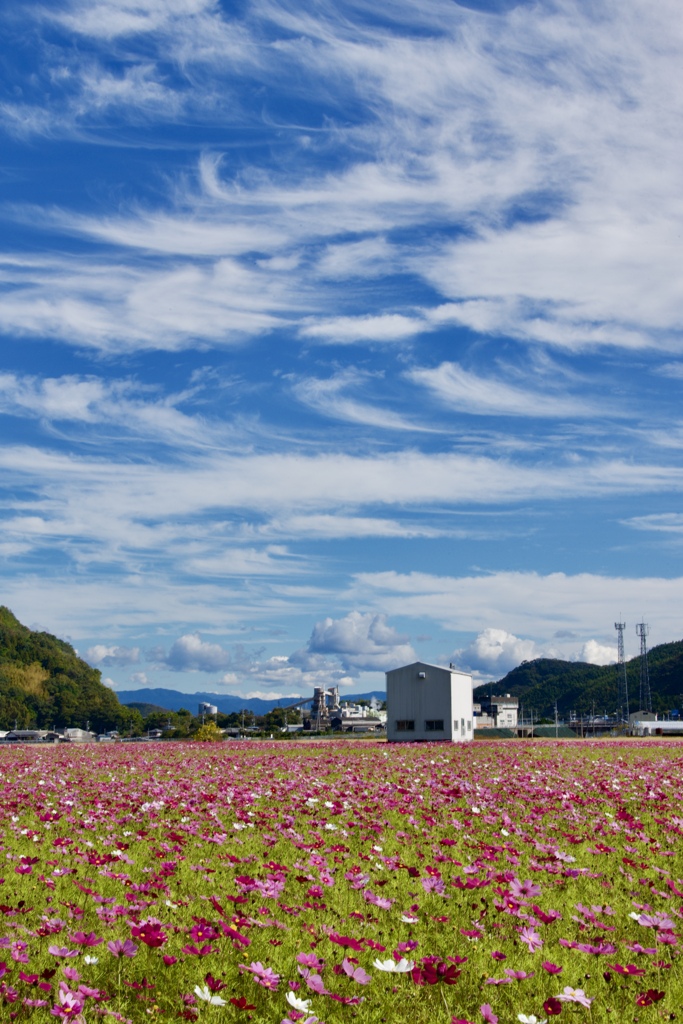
x=555, y=719
x=642, y=630
x=622, y=675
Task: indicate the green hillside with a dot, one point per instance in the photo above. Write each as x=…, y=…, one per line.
x=44, y=683
x=584, y=688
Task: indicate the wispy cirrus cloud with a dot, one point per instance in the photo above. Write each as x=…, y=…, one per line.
x=331, y=398
x=114, y=308
x=347, y=330
x=469, y=392
x=99, y=402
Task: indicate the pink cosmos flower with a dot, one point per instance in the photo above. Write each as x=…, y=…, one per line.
x=660, y=921
x=531, y=938
x=377, y=901
x=122, y=947
x=521, y=890
x=355, y=973
x=62, y=951
x=435, y=886
x=314, y=982
x=265, y=976
x=70, y=1003
x=575, y=995
x=81, y=939
x=310, y=960
x=488, y=1014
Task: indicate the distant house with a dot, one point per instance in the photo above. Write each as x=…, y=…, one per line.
x=429, y=702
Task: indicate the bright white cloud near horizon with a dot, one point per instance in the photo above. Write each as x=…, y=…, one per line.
x=336, y=337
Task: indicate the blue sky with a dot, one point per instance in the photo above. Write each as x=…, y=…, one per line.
x=332, y=339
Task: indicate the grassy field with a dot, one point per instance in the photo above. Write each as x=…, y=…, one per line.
x=321, y=882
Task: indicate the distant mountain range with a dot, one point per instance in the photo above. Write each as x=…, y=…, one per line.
x=44, y=682
x=576, y=686
x=584, y=688
x=174, y=700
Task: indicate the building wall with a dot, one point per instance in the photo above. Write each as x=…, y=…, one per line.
x=442, y=696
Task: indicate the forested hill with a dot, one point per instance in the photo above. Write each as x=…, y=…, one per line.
x=44, y=683
x=579, y=687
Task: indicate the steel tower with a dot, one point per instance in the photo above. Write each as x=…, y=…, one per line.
x=642, y=630
x=622, y=676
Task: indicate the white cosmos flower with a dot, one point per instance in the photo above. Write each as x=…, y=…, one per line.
x=523, y=1019
x=303, y=1005
x=207, y=995
x=402, y=967
x=91, y=959
x=408, y=919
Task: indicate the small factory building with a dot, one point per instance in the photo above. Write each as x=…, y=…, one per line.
x=428, y=702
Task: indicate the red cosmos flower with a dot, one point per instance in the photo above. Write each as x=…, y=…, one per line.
x=203, y=933
x=150, y=933
x=242, y=1003
x=213, y=983
x=198, y=951
x=628, y=969
x=649, y=997
x=551, y=968
x=433, y=971
x=552, y=1006
x=346, y=941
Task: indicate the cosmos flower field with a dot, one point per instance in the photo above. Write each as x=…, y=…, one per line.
x=500, y=881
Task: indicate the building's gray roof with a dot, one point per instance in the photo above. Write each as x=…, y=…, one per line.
x=427, y=664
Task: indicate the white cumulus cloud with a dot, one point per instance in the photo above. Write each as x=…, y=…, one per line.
x=362, y=641
x=101, y=654
x=190, y=653
x=495, y=652
x=596, y=653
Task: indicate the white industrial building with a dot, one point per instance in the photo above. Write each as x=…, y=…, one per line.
x=496, y=713
x=428, y=702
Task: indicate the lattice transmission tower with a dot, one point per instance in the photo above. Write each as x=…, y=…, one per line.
x=622, y=676
x=642, y=630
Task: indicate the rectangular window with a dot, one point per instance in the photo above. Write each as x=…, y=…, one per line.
x=469, y=725
x=462, y=725
x=455, y=725
x=434, y=725
x=405, y=725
